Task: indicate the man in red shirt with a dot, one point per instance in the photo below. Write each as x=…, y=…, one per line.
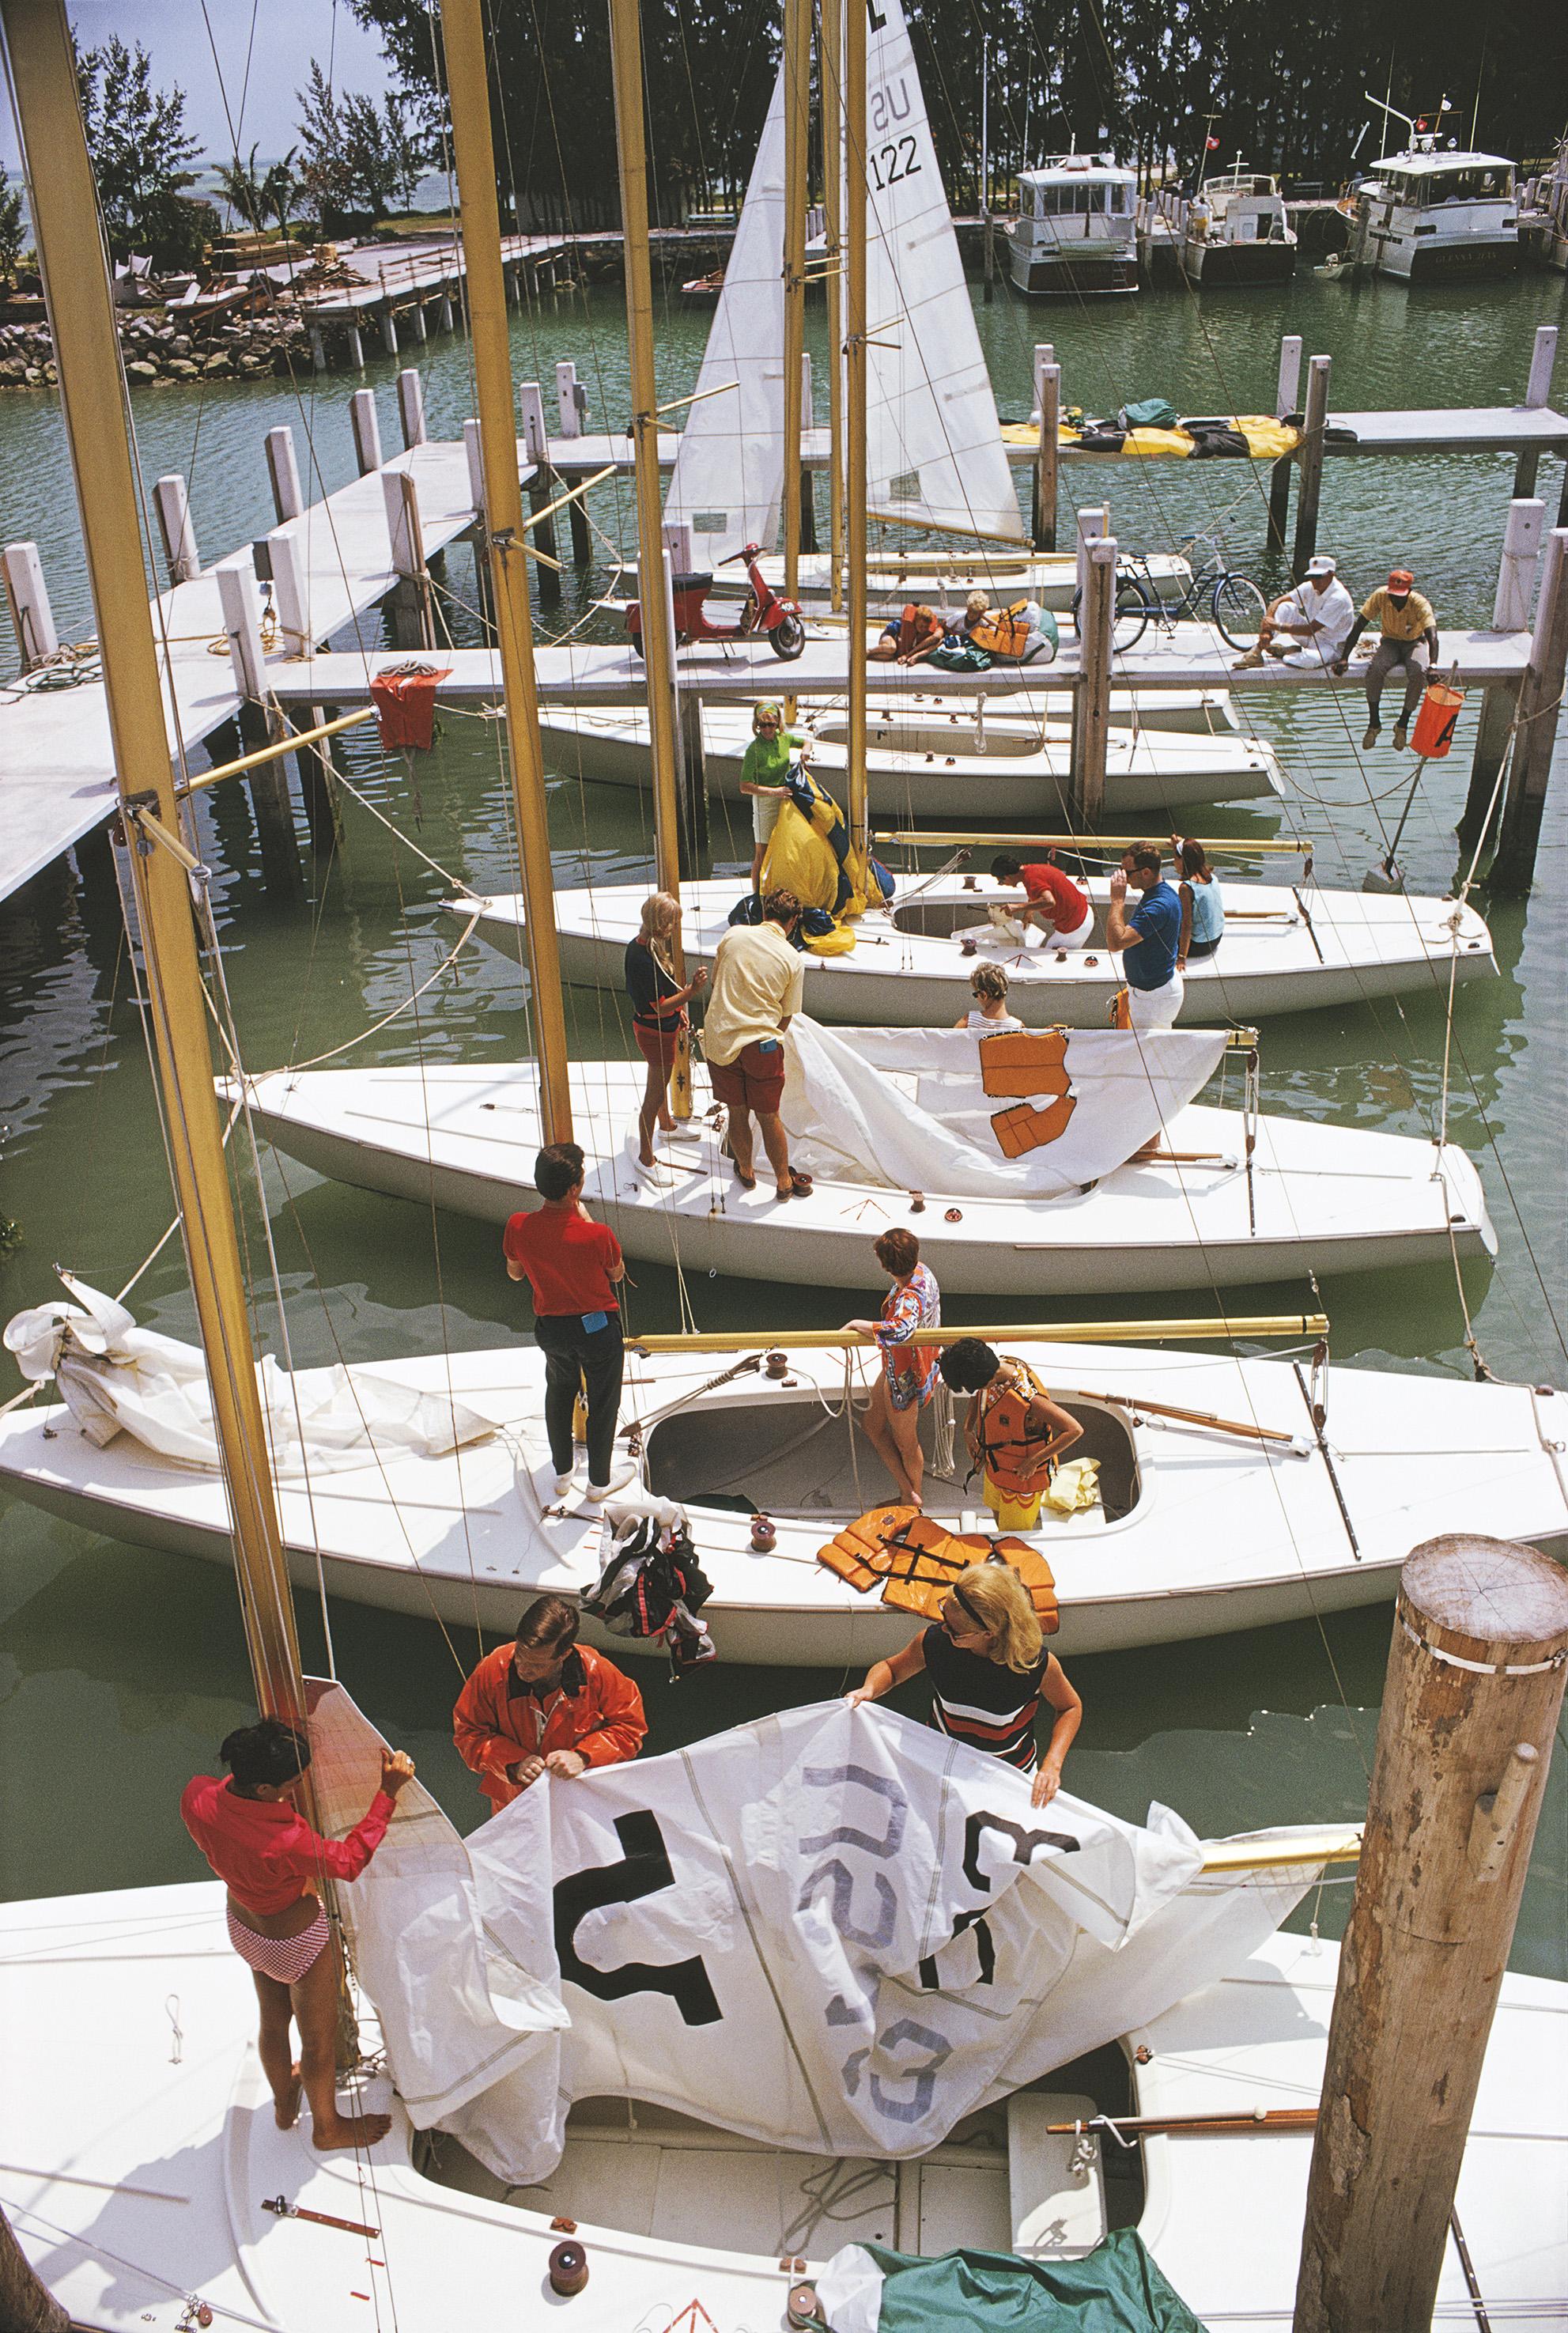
x=1051, y=899
x=545, y=1704
x=273, y=1864
x=573, y=1266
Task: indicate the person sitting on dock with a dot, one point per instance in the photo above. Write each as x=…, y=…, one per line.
x=572, y=1266
x=759, y=980
x=1152, y=938
x=1407, y=630
x=273, y=1864
x=764, y=766
x=1202, y=902
x=1014, y=1430
x=1053, y=902
x=988, y=1013
x=909, y=1371
x=1307, y=626
x=659, y=1015
x=545, y=1704
x=990, y=1668
x=908, y=636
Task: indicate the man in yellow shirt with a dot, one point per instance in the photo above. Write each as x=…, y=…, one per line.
x=1409, y=637
x=758, y=980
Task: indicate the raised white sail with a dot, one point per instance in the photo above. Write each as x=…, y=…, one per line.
x=934, y=447
x=729, y=474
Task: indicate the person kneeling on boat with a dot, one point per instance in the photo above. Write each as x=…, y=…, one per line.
x=1057, y=906
x=273, y=1864
x=1152, y=938
x=988, y=984
x=1014, y=1430
x=990, y=1671
x=759, y=980
x=545, y=1704
x=909, y=1373
x=572, y=1266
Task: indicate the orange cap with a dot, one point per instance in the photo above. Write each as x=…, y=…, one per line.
x=1401, y=578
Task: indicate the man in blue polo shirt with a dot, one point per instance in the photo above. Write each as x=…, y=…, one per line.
x=1150, y=938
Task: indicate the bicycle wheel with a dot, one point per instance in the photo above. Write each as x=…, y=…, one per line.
x=1238, y=608
x=1132, y=617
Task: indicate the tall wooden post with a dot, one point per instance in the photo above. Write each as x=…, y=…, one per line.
x=1097, y=630
x=1288, y=390
x=857, y=327
x=1522, y=533
x=1048, y=404
x=830, y=66
x=1315, y=421
x=1475, y=1686
x=1538, y=394
x=1540, y=704
x=796, y=130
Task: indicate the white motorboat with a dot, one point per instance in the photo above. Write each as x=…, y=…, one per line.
x=1432, y=213
x=1208, y=1212
x=1076, y=229
x=1286, y=949
x=1197, y=1528
x=1235, y=230
x=928, y=760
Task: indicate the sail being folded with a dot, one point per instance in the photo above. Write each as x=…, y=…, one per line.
x=729, y=474
x=933, y=441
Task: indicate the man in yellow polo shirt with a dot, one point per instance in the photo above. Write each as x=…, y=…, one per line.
x=1409, y=639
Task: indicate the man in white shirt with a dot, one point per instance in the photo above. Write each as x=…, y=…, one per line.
x=757, y=979
x=1306, y=628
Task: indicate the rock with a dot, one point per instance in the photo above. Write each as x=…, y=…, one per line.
x=251, y=364
x=182, y=368
x=34, y=375
x=217, y=365
x=13, y=368
x=181, y=344
x=141, y=371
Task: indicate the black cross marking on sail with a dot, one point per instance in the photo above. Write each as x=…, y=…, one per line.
x=646, y=1868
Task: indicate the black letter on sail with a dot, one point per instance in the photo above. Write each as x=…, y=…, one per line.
x=646, y=1869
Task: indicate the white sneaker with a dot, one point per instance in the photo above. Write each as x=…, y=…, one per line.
x=563, y=1483
x=619, y=1482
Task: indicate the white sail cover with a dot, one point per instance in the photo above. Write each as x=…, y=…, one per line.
x=934, y=443
x=729, y=474
x=996, y=1116
x=835, y=1930
x=117, y=1378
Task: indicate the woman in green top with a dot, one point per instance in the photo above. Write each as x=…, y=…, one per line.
x=762, y=774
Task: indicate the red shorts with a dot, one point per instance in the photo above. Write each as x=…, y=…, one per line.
x=752, y=1081
x=658, y=1046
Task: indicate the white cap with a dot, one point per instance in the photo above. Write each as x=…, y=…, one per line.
x=1322, y=566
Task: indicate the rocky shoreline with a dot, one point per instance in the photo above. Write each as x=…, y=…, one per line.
x=159, y=347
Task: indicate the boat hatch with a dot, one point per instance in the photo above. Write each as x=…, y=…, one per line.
x=938, y=918
x=789, y=1455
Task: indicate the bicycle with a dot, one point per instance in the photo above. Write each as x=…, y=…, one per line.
x=1214, y=594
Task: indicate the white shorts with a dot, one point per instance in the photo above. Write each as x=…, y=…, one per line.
x=1155, y=1008
x=1074, y=939
x=765, y=810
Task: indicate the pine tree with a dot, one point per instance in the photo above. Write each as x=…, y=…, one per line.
x=136, y=137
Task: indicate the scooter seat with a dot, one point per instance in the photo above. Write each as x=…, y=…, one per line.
x=692, y=582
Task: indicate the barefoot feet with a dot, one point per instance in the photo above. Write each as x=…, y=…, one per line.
x=286, y=2109
x=351, y=2130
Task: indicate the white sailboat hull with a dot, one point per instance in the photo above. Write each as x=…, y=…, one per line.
x=133, y=2181
x=1324, y=1198
x=944, y=578
x=907, y=968
x=931, y=763
x=1199, y=1531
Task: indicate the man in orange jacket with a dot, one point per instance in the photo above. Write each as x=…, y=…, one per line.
x=545, y=1704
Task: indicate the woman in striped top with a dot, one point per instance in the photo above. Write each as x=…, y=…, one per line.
x=989, y=1670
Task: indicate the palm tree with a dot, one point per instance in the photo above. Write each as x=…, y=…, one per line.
x=259, y=200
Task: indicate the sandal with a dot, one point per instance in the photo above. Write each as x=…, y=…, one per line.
x=801, y=1185
x=747, y=1181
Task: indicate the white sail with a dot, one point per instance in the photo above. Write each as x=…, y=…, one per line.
x=934, y=446
x=729, y=474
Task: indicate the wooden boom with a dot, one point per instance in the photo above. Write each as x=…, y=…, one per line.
x=1061, y=1332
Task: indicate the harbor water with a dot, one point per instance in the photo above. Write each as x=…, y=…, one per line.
x=121, y=1670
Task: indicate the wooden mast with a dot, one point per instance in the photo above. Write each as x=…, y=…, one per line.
x=856, y=325
x=473, y=151
x=831, y=52
x=797, y=131
x=658, y=641
x=66, y=225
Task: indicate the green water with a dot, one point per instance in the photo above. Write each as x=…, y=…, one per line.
x=119, y=1670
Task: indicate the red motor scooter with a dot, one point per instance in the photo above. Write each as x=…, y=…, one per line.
x=762, y=611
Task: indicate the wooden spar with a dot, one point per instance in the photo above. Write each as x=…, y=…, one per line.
x=657, y=619
x=1107, y=843
x=1243, y=1427
x=1202, y=2126
x=1060, y=1332
x=856, y=478
x=81, y=318
x=463, y=31
x=797, y=131
x=830, y=56
x=26, y=2305
x=296, y=738
x=1341, y=1843
x=1473, y=1694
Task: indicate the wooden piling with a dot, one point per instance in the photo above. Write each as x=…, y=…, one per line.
x=582, y=550
x=1474, y=1688
x=26, y=2305
x=284, y=472
x=291, y=589
x=1286, y=392
x=1537, y=395
x=389, y=329
x=416, y=324
x=694, y=785
x=411, y=408
x=1310, y=493
x=1522, y=533
x=317, y=791
x=1048, y=404
x=1513, y=869
x=570, y=398
x=355, y=348
x=366, y=430
x=409, y=604
x=174, y=524
x=317, y=350
x=270, y=798
x=27, y=598
x=541, y=492
x=1097, y=622
x=444, y=316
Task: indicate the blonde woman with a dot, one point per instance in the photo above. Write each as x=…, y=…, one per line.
x=989, y=1670
x=988, y=986
x=659, y=1016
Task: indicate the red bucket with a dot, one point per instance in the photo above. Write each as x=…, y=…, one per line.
x=1435, y=721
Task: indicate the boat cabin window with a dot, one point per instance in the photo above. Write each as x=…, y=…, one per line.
x=1079, y=197
x=1491, y=183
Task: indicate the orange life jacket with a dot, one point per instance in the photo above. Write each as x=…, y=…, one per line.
x=916, y=1561
x=1004, y=632
x=1015, y=1461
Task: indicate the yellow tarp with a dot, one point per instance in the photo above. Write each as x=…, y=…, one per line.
x=1267, y=439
